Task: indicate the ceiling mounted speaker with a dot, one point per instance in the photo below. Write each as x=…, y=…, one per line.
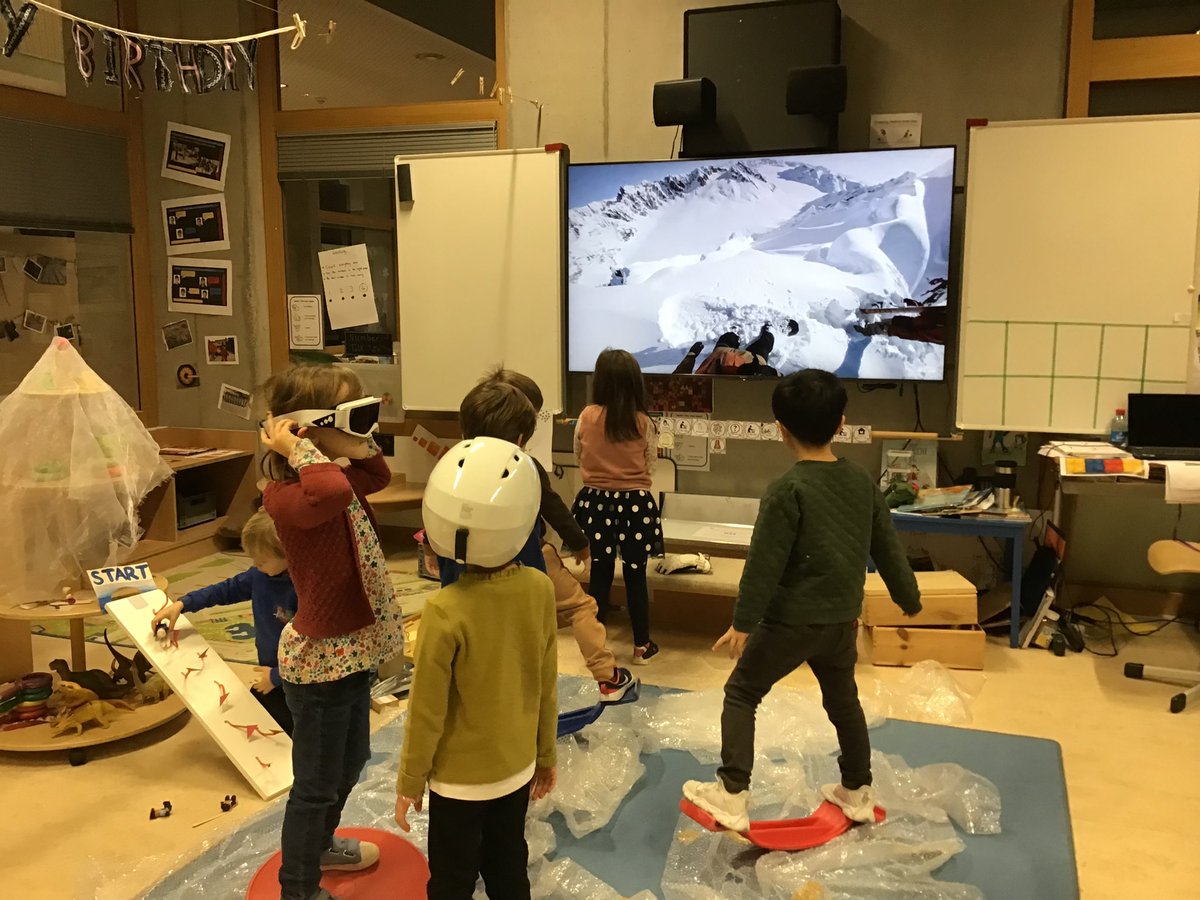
x=688, y=101
x=816, y=90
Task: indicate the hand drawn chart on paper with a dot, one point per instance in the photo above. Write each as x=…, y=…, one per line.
x=349, y=292
x=213, y=693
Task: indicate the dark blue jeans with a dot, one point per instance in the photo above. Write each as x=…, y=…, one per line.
x=331, y=743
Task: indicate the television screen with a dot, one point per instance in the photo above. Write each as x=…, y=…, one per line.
x=764, y=265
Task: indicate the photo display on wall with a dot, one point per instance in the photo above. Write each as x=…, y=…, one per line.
x=196, y=156
x=195, y=224
x=199, y=286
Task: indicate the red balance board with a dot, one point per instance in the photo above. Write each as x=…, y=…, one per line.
x=786, y=834
x=401, y=873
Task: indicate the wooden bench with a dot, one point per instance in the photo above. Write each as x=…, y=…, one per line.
x=674, y=597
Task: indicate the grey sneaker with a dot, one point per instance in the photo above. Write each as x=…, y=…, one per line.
x=349, y=855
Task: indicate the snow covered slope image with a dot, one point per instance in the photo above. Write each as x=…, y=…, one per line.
x=665, y=255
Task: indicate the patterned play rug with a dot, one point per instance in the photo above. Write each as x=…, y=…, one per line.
x=230, y=629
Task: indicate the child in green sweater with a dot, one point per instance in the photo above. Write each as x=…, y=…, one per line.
x=483, y=711
x=801, y=595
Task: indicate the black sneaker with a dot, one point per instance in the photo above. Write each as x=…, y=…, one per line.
x=616, y=690
x=643, y=655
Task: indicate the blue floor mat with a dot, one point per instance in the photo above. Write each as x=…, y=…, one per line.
x=1032, y=858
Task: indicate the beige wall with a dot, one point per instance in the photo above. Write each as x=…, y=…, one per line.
x=234, y=113
x=594, y=63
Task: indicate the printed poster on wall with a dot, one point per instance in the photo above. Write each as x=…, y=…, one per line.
x=195, y=224
x=349, y=293
x=199, y=286
x=306, y=327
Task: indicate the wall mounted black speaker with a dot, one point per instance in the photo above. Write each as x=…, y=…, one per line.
x=688, y=101
x=816, y=90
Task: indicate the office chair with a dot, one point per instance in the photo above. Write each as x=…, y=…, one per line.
x=1171, y=558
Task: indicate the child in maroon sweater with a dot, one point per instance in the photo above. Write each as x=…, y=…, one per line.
x=347, y=622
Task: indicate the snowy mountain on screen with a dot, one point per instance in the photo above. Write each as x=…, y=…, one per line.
x=728, y=246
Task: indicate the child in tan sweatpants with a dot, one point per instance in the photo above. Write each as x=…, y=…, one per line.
x=577, y=610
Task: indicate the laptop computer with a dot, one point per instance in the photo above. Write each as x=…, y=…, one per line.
x=1164, y=426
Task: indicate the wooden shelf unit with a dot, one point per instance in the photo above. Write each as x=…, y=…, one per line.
x=228, y=473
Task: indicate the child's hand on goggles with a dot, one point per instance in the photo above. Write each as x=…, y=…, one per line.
x=280, y=435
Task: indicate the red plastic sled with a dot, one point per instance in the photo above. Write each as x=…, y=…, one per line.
x=826, y=823
x=401, y=873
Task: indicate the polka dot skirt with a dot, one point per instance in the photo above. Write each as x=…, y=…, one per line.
x=624, y=521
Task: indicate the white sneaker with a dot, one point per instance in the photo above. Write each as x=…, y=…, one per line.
x=858, y=804
x=730, y=810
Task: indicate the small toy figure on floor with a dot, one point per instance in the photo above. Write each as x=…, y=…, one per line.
x=162, y=813
x=483, y=711
x=505, y=405
x=268, y=587
x=617, y=445
x=800, y=598
x=347, y=621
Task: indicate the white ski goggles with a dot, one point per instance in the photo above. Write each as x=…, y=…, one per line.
x=359, y=418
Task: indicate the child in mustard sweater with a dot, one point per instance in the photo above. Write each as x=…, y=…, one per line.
x=483, y=711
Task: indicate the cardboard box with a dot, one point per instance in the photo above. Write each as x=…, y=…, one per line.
x=956, y=648
x=946, y=599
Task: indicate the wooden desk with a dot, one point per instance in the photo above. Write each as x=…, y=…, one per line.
x=397, y=497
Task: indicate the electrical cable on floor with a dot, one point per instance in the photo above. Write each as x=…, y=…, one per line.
x=1113, y=618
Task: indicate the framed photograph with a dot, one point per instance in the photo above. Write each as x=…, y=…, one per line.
x=221, y=350
x=195, y=224
x=34, y=322
x=177, y=334
x=234, y=400
x=196, y=156
x=32, y=269
x=66, y=330
x=199, y=286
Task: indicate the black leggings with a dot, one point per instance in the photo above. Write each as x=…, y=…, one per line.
x=637, y=595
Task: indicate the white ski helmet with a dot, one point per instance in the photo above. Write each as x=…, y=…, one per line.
x=481, y=502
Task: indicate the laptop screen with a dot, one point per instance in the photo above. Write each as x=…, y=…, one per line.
x=1164, y=420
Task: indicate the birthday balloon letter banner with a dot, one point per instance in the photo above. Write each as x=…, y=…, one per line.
x=198, y=67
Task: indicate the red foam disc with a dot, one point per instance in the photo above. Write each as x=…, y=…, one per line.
x=401, y=873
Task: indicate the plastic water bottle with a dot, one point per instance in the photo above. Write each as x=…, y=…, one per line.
x=1118, y=429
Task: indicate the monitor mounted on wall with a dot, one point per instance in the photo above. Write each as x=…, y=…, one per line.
x=764, y=265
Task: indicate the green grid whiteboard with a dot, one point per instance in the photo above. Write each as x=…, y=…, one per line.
x=1080, y=269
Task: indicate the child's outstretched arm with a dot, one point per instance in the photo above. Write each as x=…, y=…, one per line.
x=888, y=555
x=555, y=512
x=427, y=704
x=223, y=593
x=771, y=546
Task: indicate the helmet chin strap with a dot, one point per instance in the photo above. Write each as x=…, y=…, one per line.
x=460, y=546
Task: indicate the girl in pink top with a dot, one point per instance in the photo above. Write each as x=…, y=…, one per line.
x=616, y=444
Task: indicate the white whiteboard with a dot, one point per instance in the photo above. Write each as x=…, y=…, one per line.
x=1080, y=269
x=479, y=259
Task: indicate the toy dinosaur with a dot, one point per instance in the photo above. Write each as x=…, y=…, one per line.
x=96, y=680
x=93, y=712
x=152, y=689
x=70, y=695
x=123, y=667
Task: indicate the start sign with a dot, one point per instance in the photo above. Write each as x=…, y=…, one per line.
x=107, y=581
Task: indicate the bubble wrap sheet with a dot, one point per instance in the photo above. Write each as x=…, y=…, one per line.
x=928, y=692
x=892, y=861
